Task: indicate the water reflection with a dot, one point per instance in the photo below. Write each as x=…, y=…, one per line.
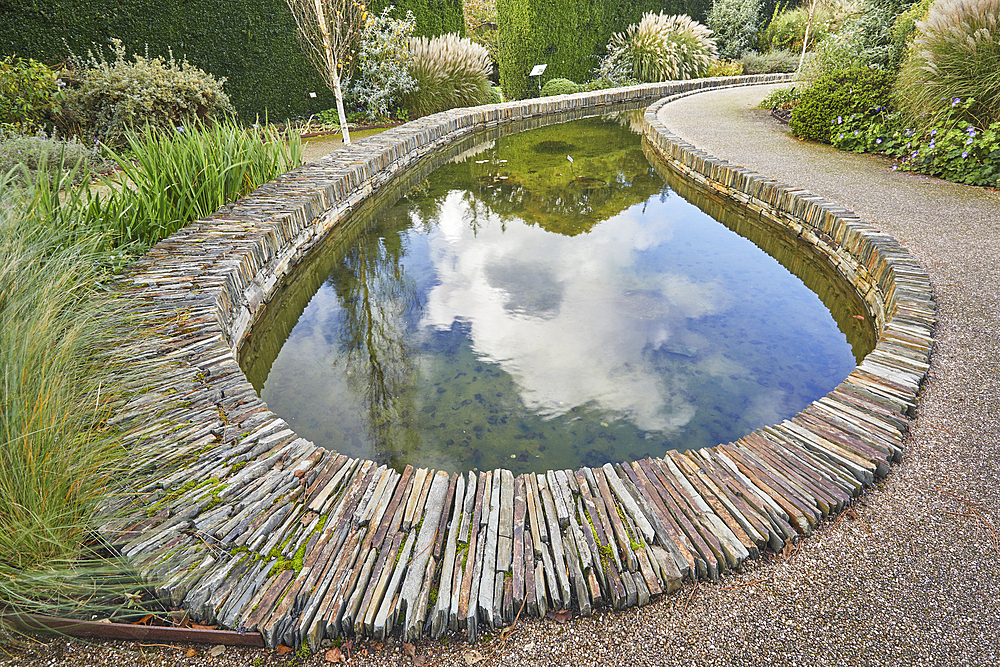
x=524, y=310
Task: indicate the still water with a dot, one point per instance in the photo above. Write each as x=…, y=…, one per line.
x=548, y=300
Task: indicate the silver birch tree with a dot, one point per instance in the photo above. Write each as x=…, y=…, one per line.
x=328, y=31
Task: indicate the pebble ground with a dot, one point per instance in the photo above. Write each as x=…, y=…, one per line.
x=909, y=576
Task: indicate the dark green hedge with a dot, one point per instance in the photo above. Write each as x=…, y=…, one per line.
x=568, y=35
x=250, y=42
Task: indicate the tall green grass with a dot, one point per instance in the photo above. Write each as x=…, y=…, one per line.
x=62, y=330
x=172, y=177
x=59, y=327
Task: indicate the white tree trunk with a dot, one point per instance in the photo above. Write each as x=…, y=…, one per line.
x=341, y=114
x=805, y=39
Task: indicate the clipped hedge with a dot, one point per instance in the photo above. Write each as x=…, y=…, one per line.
x=569, y=36
x=250, y=42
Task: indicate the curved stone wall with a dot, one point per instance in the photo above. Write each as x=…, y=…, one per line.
x=243, y=523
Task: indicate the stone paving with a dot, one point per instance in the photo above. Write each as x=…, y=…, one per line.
x=243, y=523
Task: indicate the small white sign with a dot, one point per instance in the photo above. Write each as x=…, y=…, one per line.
x=537, y=70
x=312, y=94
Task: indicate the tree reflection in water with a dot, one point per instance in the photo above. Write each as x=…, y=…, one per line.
x=378, y=300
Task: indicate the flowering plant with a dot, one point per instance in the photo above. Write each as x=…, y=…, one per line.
x=954, y=149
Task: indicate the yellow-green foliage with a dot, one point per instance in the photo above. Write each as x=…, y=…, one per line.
x=559, y=87
x=28, y=91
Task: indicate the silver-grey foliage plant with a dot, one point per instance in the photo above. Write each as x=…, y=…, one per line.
x=383, y=60
x=736, y=24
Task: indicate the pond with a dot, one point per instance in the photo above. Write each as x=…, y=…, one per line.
x=549, y=300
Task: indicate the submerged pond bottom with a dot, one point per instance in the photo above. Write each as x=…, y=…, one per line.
x=548, y=300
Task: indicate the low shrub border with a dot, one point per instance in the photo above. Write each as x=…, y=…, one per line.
x=243, y=523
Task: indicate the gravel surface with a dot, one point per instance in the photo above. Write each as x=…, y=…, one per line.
x=908, y=576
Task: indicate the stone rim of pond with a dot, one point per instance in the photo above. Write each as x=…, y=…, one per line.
x=243, y=523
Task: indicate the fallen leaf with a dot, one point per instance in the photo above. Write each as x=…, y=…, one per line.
x=196, y=626
x=786, y=551
x=179, y=617
x=334, y=655
x=421, y=660
x=144, y=620
x=561, y=616
x=217, y=650
x=409, y=649
x=472, y=657
x=190, y=653
x=281, y=649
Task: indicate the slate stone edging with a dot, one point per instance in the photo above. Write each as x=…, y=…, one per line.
x=245, y=524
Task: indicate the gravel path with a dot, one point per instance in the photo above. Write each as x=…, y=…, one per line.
x=909, y=576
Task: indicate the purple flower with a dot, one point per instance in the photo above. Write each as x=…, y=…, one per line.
x=955, y=101
x=894, y=167
x=839, y=120
x=855, y=133
x=965, y=155
x=968, y=142
x=914, y=154
x=971, y=131
x=933, y=132
x=879, y=140
x=841, y=136
x=931, y=145
x=908, y=143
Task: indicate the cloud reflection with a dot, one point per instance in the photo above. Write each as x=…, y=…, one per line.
x=595, y=337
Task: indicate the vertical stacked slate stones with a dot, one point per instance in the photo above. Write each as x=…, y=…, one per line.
x=243, y=523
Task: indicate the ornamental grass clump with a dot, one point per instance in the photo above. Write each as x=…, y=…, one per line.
x=450, y=71
x=955, y=56
x=61, y=373
x=55, y=377
x=659, y=48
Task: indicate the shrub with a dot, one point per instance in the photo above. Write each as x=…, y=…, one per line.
x=482, y=25
x=865, y=38
x=382, y=77
x=450, y=71
x=28, y=94
x=736, y=24
x=659, y=48
x=722, y=67
x=839, y=93
x=772, y=62
x=956, y=55
x=559, y=87
x=787, y=30
x=111, y=97
x=41, y=151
